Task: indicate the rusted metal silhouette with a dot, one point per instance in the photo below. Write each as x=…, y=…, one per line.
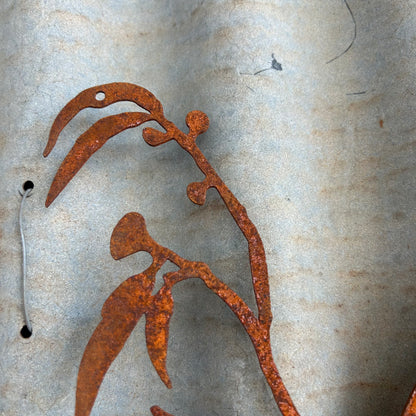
x=411, y=405
x=133, y=298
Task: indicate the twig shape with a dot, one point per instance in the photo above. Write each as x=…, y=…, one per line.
x=133, y=298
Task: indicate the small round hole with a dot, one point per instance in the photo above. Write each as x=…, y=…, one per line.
x=25, y=332
x=28, y=185
x=100, y=96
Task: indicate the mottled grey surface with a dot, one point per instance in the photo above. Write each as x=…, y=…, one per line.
x=321, y=154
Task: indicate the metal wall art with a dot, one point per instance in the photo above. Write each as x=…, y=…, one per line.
x=133, y=298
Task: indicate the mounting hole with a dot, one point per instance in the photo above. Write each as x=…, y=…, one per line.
x=100, y=96
x=25, y=332
x=28, y=185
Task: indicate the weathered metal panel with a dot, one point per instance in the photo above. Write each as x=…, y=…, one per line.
x=321, y=155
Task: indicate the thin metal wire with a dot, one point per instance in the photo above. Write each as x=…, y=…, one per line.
x=24, y=263
x=353, y=37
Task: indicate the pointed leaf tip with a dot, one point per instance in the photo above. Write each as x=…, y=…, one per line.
x=157, y=332
x=157, y=411
x=120, y=314
x=88, y=143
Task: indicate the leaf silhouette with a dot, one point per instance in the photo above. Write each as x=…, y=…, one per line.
x=113, y=93
x=88, y=143
x=120, y=313
x=157, y=331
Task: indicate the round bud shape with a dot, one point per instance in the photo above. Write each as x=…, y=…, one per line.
x=197, y=121
x=197, y=192
x=130, y=236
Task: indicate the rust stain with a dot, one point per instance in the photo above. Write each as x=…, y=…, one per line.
x=349, y=386
x=133, y=298
x=381, y=122
x=398, y=215
x=368, y=185
x=409, y=290
x=364, y=104
x=358, y=273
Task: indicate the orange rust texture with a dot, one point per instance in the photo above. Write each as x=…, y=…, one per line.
x=157, y=411
x=411, y=405
x=133, y=298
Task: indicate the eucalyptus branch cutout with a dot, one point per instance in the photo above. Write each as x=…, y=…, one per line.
x=133, y=298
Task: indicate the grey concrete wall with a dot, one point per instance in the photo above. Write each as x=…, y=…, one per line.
x=321, y=154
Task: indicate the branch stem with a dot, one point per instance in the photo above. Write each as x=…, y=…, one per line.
x=258, y=332
x=256, y=250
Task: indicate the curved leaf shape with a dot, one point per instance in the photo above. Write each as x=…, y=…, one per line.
x=113, y=92
x=120, y=313
x=88, y=143
x=157, y=331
